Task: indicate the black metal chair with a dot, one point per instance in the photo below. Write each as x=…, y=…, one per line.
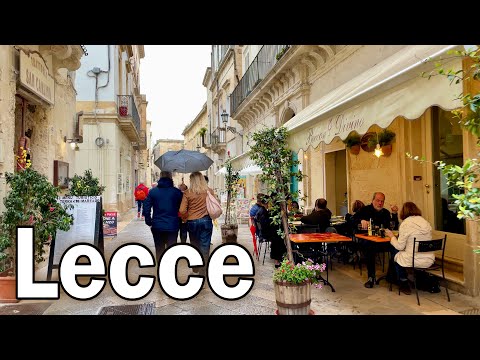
x=422, y=246
x=261, y=241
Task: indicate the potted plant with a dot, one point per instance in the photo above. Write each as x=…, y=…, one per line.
x=230, y=227
x=384, y=139
x=202, y=133
x=353, y=143
x=292, y=283
x=32, y=201
x=85, y=185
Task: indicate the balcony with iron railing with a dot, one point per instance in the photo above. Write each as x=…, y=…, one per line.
x=265, y=60
x=218, y=139
x=141, y=144
x=128, y=117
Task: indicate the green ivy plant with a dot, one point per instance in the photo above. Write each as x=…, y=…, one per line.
x=85, y=185
x=32, y=201
x=383, y=138
x=464, y=177
x=271, y=153
x=231, y=180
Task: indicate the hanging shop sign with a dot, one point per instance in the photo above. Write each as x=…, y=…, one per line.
x=34, y=76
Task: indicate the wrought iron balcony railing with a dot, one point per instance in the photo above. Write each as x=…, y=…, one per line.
x=256, y=72
x=218, y=137
x=128, y=109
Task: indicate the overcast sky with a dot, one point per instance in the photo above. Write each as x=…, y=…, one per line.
x=171, y=76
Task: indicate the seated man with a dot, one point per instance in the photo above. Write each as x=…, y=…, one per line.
x=254, y=209
x=380, y=217
x=320, y=215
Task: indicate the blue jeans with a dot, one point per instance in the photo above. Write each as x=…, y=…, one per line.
x=140, y=206
x=163, y=240
x=401, y=272
x=200, y=232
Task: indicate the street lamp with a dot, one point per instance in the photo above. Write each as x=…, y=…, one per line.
x=225, y=116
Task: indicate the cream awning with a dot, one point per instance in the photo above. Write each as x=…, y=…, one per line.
x=251, y=170
x=241, y=161
x=222, y=171
x=393, y=87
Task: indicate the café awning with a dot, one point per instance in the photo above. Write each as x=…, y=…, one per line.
x=251, y=170
x=394, y=87
x=222, y=171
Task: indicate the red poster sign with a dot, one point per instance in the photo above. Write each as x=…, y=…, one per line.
x=110, y=223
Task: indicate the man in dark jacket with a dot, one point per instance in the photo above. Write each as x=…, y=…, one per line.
x=165, y=201
x=320, y=215
x=380, y=216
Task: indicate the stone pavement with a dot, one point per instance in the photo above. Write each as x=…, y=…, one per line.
x=350, y=298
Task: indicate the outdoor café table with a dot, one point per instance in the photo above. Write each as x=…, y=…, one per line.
x=375, y=239
x=319, y=238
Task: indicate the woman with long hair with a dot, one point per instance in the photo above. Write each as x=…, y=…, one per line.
x=199, y=223
x=413, y=226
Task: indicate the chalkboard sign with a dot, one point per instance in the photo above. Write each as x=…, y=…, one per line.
x=87, y=227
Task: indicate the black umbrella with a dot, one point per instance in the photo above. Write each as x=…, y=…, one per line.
x=183, y=161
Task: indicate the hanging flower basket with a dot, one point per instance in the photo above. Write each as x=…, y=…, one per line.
x=355, y=149
x=387, y=150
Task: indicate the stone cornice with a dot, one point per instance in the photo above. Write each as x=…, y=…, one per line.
x=194, y=121
x=63, y=56
x=207, y=76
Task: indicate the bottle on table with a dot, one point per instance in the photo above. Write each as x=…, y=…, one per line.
x=370, y=228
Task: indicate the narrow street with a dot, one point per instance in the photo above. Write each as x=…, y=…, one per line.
x=350, y=298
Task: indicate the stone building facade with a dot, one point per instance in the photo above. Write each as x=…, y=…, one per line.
x=38, y=109
x=322, y=93
x=113, y=128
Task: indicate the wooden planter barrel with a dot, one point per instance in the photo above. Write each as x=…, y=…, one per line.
x=229, y=233
x=293, y=299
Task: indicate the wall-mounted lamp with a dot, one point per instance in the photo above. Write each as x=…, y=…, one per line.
x=225, y=116
x=378, y=151
x=198, y=148
x=73, y=143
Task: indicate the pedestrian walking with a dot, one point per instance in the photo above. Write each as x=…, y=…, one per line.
x=164, y=201
x=183, y=227
x=141, y=193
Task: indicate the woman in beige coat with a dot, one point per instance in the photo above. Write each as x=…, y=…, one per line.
x=413, y=226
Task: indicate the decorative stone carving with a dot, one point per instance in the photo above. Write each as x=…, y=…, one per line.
x=64, y=56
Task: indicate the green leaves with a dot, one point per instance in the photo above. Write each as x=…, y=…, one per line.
x=32, y=200
x=85, y=185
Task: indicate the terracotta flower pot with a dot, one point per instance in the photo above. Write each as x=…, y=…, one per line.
x=387, y=150
x=355, y=149
x=8, y=291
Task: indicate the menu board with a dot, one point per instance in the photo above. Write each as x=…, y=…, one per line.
x=243, y=209
x=86, y=228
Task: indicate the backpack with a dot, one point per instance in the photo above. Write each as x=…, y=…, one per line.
x=213, y=206
x=140, y=194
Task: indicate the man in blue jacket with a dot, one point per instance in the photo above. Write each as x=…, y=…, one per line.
x=165, y=201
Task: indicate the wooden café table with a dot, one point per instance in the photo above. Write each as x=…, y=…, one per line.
x=319, y=238
x=376, y=239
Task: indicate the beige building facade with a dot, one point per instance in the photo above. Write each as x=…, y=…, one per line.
x=37, y=109
x=197, y=138
x=321, y=93
x=114, y=144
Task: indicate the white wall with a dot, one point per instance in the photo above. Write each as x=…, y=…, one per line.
x=85, y=85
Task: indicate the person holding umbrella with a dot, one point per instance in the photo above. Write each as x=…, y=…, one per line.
x=165, y=201
x=199, y=223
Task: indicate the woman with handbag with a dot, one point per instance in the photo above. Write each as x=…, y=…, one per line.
x=199, y=222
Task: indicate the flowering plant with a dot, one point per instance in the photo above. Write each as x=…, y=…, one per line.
x=32, y=201
x=299, y=273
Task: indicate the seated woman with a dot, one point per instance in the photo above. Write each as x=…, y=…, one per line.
x=350, y=219
x=294, y=209
x=320, y=215
x=269, y=232
x=412, y=226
